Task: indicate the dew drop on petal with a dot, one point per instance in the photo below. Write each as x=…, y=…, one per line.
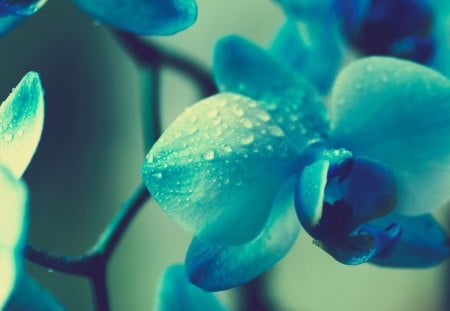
x=275, y=131
x=209, y=155
x=212, y=113
x=227, y=148
x=263, y=116
x=8, y=137
x=247, y=123
x=238, y=111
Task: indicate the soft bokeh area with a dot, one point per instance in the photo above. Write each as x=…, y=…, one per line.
x=91, y=153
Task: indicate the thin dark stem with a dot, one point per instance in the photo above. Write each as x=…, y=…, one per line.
x=99, y=287
x=255, y=295
x=145, y=53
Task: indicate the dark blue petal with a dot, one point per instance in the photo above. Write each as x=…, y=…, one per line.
x=312, y=49
x=218, y=166
x=175, y=293
x=397, y=112
x=30, y=296
x=214, y=267
x=145, y=17
x=242, y=67
x=423, y=243
x=338, y=193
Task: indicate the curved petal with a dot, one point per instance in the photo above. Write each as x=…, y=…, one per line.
x=12, y=223
x=23, y=7
x=174, y=292
x=305, y=9
x=397, y=112
x=217, y=168
x=144, y=17
x=242, y=67
x=28, y=295
x=312, y=49
x=214, y=267
x=21, y=121
x=423, y=243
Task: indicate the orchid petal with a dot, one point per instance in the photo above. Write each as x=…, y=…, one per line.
x=174, y=292
x=423, y=243
x=214, y=267
x=397, y=112
x=23, y=7
x=306, y=9
x=312, y=49
x=12, y=223
x=242, y=67
x=144, y=17
x=30, y=296
x=21, y=121
x=208, y=168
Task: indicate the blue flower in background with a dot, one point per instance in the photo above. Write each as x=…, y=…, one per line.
x=21, y=122
x=240, y=168
x=144, y=17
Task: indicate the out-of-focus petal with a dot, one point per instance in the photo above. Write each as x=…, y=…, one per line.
x=242, y=67
x=23, y=7
x=21, y=121
x=423, y=242
x=215, y=267
x=30, y=296
x=217, y=168
x=441, y=30
x=7, y=22
x=175, y=293
x=397, y=112
x=12, y=226
x=311, y=48
x=144, y=17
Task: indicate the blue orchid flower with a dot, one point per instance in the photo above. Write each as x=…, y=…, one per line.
x=21, y=122
x=143, y=17
x=175, y=292
x=235, y=169
x=313, y=37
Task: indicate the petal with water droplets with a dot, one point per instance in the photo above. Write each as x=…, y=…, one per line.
x=175, y=293
x=217, y=168
x=397, y=112
x=12, y=223
x=21, y=121
x=423, y=242
x=144, y=17
x=242, y=67
x=214, y=267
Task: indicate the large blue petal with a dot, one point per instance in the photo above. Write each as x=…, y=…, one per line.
x=242, y=67
x=21, y=121
x=175, y=293
x=217, y=168
x=30, y=296
x=13, y=196
x=311, y=48
x=397, y=112
x=145, y=17
x=423, y=242
x=215, y=267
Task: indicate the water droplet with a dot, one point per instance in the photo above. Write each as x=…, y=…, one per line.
x=263, y=116
x=218, y=131
x=50, y=271
x=247, y=139
x=212, y=113
x=293, y=117
x=275, y=131
x=217, y=121
x=8, y=137
x=209, y=155
x=158, y=175
x=150, y=157
x=247, y=123
x=238, y=182
x=270, y=106
x=280, y=119
x=191, y=130
x=20, y=133
x=193, y=118
x=222, y=102
x=226, y=181
x=238, y=111
x=369, y=68
x=269, y=148
x=227, y=148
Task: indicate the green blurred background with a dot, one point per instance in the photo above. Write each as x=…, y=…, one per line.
x=91, y=152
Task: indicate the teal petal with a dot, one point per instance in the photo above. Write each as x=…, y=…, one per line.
x=311, y=48
x=214, y=267
x=306, y=9
x=423, y=243
x=21, y=121
x=7, y=22
x=397, y=112
x=175, y=293
x=217, y=168
x=12, y=224
x=22, y=7
x=441, y=31
x=242, y=67
x=144, y=17
x=30, y=296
